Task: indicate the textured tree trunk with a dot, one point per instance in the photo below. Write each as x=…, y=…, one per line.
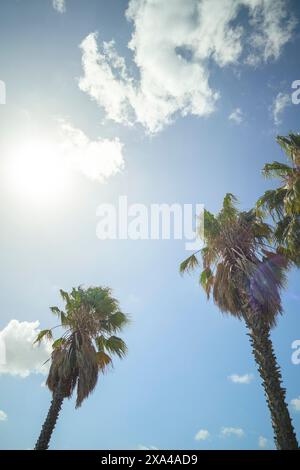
x=50, y=422
x=259, y=332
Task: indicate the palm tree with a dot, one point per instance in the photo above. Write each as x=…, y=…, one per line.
x=91, y=318
x=283, y=203
x=245, y=276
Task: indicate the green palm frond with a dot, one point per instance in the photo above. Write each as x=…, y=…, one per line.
x=292, y=198
x=229, y=211
x=112, y=344
x=59, y=343
x=64, y=296
x=209, y=255
x=291, y=146
x=207, y=280
x=115, y=322
x=283, y=203
x=103, y=360
x=116, y=346
x=211, y=227
x=262, y=231
x=189, y=264
x=277, y=170
x=272, y=201
x=43, y=334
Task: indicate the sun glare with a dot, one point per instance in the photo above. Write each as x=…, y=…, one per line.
x=36, y=171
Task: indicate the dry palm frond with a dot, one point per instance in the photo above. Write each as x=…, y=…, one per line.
x=87, y=371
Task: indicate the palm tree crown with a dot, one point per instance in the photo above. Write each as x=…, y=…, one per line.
x=91, y=318
x=284, y=202
x=239, y=267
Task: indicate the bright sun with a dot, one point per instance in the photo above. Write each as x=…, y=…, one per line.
x=37, y=172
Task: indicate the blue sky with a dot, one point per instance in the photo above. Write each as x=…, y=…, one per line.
x=174, y=381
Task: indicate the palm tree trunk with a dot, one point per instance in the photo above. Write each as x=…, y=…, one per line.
x=50, y=422
x=259, y=332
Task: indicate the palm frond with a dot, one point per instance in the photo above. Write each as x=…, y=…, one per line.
x=291, y=146
x=116, y=346
x=189, y=264
x=229, y=211
x=115, y=322
x=277, y=170
x=103, y=360
x=43, y=334
x=211, y=227
x=87, y=364
x=207, y=280
x=272, y=201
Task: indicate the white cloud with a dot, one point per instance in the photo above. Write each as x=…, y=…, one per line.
x=236, y=116
x=142, y=447
x=227, y=432
x=3, y=416
x=262, y=442
x=173, y=44
x=296, y=404
x=59, y=5
x=241, y=379
x=202, y=435
x=22, y=357
x=96, y=159
x=281, y=101
x=273, y=27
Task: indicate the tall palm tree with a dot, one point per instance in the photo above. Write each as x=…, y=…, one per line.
x=283, y=203
x=245, y=276
x=91, y=318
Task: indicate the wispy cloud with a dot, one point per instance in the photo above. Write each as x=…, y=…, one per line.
x=142, y=447
x=296, y=404
x=95, y=159
x=202, y=435
x=236, y=116
x=262, y=442
x=241, y=379
x=3, y=416
x=22, y=357
x=281, y=101
x=173, y=44
x=228, y=432
x=59, y=5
